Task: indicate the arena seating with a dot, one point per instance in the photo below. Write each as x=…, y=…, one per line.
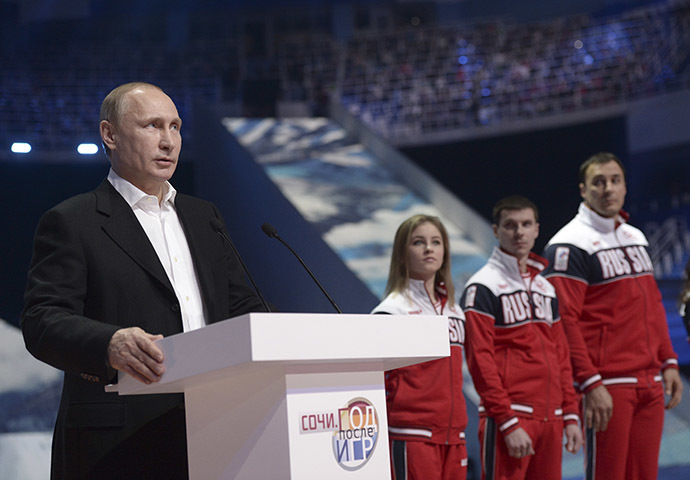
x=401, y=82
x=442, y=78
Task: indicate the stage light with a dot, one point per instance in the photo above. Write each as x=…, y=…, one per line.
x=578, y=44
x=21, y=147
x=87, y=148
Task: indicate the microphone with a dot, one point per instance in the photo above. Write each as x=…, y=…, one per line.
x=218, y=227
x=270, y=230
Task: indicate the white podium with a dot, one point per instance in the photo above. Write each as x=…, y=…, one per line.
x=291, y=396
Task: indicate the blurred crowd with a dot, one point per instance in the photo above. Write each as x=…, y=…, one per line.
x=403, y=81
x=446, y=78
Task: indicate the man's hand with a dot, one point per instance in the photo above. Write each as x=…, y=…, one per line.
x=519, y=443
x=132, y=350
x=673, y=387
x=598, y=408
x=573, y=438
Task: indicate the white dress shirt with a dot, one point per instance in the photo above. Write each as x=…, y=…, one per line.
x=163, y=228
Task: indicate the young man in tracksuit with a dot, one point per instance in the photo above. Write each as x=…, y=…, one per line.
x=616, y=327
x=518, y=355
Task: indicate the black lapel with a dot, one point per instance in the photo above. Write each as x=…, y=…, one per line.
x=124, y=229
x=202, y=241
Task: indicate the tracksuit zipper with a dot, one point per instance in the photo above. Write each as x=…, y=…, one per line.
x=450, y=368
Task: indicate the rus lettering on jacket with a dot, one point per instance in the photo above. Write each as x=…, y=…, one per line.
x=618, y=261
x=516, y=307
x=456, y=331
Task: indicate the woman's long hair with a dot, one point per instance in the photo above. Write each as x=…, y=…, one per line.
x=399, y=273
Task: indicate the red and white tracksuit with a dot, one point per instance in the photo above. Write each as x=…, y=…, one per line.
x=519, y=360
x=616, y=327
x=426, y=407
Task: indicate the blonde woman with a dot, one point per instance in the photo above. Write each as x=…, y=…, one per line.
x=426, y=407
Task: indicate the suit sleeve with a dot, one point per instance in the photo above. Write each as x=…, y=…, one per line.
x=222, y=280
x=242, y=298
x=479, y=305
x=54, y=327
x=567, y=272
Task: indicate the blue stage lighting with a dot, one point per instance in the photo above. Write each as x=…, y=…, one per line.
x=87, y=148
x=21, y=147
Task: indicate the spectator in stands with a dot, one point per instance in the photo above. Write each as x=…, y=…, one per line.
x=426, y=407
x=518, y=355
x=616, y=327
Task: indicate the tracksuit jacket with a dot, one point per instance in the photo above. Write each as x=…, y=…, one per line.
x=610, y=303
x=516, y=348
x=425, y=401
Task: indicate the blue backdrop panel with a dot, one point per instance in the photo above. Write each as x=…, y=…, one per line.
x=226, y=174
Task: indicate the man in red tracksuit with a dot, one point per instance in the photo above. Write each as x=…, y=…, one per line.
x=616, y=327
x=518, y=355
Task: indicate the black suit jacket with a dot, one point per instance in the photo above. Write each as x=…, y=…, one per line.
x=93, y=272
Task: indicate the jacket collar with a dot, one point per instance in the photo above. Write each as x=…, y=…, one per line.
x=602, y=224
x=418, y=288
x=122, y=226
x=509, y=264
x=133, y=194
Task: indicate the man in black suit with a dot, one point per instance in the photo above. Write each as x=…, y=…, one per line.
x=114, y=270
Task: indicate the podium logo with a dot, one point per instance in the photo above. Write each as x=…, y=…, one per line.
x=355, y=441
